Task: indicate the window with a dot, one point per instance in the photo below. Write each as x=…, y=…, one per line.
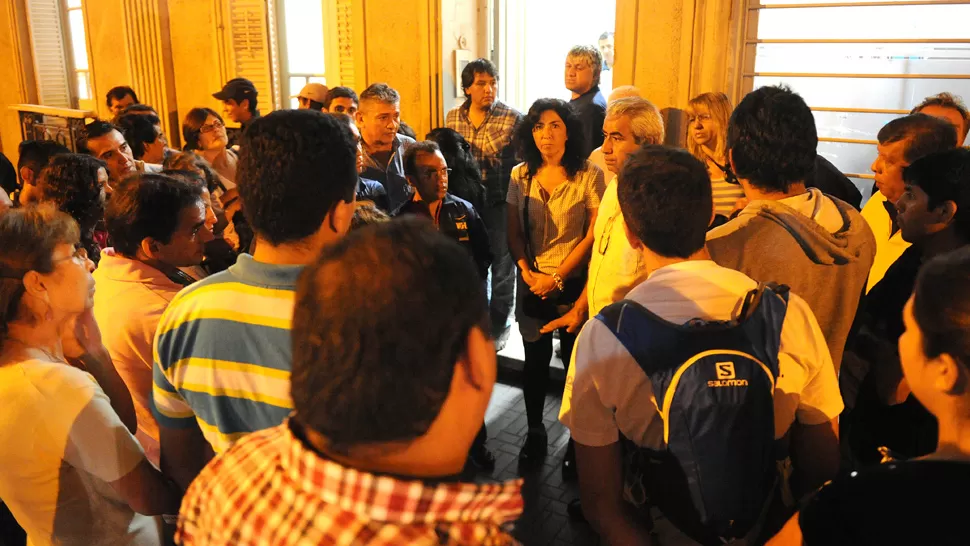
x=79, y=49
x=301, y=45
x=857, y=65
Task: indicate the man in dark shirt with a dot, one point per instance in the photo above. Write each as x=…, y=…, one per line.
x=378, y=119
x=583, y=66
x=367, y=189
x=239, y=103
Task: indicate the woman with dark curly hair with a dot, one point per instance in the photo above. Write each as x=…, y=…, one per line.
x=77, y=184
x=465, y=180
x=553, y=197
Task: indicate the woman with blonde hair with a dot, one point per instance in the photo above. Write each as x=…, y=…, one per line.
x=708, y=115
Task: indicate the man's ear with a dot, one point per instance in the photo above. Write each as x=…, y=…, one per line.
x=149, y=248
x=633, y=239
x=27, y=175
x=946, y=212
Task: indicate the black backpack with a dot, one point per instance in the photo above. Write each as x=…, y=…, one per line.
x=714, y=388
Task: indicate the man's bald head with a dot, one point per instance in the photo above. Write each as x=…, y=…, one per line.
x=623, y=92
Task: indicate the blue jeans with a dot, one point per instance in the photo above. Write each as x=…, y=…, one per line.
x=501, y=289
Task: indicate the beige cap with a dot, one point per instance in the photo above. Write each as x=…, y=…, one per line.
x=314, y=91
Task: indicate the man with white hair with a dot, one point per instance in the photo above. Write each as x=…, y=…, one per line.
x=597, y=157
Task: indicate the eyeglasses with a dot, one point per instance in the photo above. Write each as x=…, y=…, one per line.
x=703, y=118
x=604, y=243
x=79, y=256
x=217, y=124
x=443, y=173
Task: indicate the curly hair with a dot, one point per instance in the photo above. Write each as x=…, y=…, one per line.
x=70, y=183
x=573, y=159
x=191, y=161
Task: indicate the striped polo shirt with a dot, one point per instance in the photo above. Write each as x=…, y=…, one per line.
x=223, y=355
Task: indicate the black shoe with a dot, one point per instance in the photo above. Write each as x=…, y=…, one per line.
x=481, y=459
x=534, y=451
x=569, y=463
x=575, y=510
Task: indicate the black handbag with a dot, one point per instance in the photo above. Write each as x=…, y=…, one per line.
x=558, y=302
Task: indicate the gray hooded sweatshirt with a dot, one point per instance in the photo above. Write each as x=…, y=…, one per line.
x=819, y=246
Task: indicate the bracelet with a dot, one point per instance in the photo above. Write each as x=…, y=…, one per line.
x=558, y=279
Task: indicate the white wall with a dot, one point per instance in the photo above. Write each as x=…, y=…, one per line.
x=466, y=19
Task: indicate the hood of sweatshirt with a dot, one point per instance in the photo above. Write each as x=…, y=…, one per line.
x=828, y=230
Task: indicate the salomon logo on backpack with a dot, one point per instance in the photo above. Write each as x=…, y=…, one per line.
x=714, y=386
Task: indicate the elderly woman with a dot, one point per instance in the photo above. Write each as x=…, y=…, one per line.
x=708, y=115
x=73, y=471
x=553, y=197
x=204, y=133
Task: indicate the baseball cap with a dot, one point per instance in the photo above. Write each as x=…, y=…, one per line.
x=237, y=89
x=316, y=92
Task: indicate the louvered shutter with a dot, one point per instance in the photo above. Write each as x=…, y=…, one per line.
x=51, y=67
x=345, y=43
x=249, y=47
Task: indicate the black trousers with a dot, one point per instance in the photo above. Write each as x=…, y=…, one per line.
x=538, y=355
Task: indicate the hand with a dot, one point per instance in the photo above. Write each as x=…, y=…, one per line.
x=529, y=277
x=544, y=285
x=572, y=321
x=82, y=336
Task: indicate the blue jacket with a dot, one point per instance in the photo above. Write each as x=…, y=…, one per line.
x=393, y=179
x=458, y=220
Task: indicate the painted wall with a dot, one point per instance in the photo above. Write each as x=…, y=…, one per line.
x=465, y=20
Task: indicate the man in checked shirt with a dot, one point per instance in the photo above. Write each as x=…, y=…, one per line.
x=488, y=125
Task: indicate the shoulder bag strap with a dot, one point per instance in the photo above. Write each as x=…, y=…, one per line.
x=525, y=222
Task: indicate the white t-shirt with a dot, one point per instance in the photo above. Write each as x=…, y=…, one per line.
x=607, y=392
x=62, y=445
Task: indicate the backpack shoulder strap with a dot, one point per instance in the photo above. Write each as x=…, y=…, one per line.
x=762, y=318
x=654, y=343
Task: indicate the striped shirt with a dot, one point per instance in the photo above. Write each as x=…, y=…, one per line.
x=725, y=195
x=557, y=222
x=223, y=355
x=491, y=144
x=272, y=489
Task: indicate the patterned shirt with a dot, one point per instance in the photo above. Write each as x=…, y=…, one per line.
x=725, y=195
x=557, y=222
x=271, y=489
x=223, y=355
x=491, y=144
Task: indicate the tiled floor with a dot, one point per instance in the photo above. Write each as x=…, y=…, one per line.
x=544, y=521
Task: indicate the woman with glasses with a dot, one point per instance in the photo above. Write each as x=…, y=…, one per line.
x=204, y=133
x=708, y=115
x=915, y=501
x=553, y=198
x=73, y=472
x=78, y=185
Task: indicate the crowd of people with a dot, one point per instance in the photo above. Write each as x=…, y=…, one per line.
x=287, y=333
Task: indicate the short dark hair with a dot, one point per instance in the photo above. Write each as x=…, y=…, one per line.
x=340, y=92
x=147, y=205
x=945, y=176
x=947, y=100
x=361, y=375
x=941, y=306
x=36, y=154
x=406, y=130
x=139, y=130
x=925, y=134
x=314, y=105
x=772, y=138
x=118, y=93
x=96, y=129
x=665, y=196
x=573, y=159
x=478, y=66
x=192, y=126
x=606, y=35
x=410, y=156
x=191, y=161
x=295, y=166
x=381, y=92
x=139, y=108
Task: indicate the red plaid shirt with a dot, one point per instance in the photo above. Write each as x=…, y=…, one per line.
x=269, y=489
